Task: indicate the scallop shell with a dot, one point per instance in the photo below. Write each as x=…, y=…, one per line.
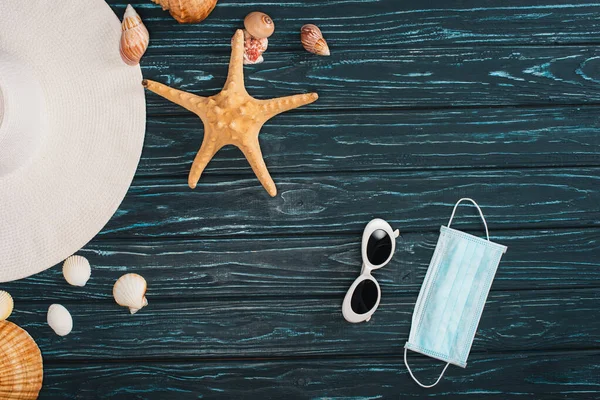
x=77, y=270
x=21, y=368
x=60, y=319
x=130, y=291
x=6, y=305
x=188, y=11
x=134, y=37
x=259, y=25
x=313, y=41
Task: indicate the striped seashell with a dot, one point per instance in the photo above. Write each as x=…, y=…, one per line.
x=6, y=305
x=313, y=41
x=130, y=291
x=77, y=270
x=134, y=37
x=188, y=11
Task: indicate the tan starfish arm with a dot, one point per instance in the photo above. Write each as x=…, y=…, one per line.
x=235, y=76
x=276, y=106
x=254, y=156
x=187, y=100
x=208, y=149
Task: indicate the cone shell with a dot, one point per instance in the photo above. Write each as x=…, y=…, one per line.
x=77, y=270
x=60, y=320
x=130, y=291
x=134, y=37
x=259, y=25
x=313, y=41
x=6, y=305
x=21, y=369
x=188, y=11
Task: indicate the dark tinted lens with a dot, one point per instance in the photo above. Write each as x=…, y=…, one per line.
x=364, y=297
x=379, y=247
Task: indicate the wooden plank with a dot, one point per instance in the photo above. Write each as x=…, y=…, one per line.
x=328, y=204
x=471, y=138
x=283, y=327
x=496, y=376
x=408, y=78
x=368, y=24
x=308, y=267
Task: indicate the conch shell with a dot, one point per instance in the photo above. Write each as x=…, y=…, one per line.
x=134, y=37
x=259, y=25
x=60, y=320
x=77, y=270
x=188, y=11
x=313, y=41
x=6, y=305
x=129, y=291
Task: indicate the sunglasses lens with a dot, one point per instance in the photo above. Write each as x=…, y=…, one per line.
x=364, y=297
x=379, y=247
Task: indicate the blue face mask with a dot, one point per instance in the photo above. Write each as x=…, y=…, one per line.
x=453, y=295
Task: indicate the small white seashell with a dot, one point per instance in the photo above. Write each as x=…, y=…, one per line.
x=130, y=291
x=6, y=305
x=60, y=320
x=77, y=270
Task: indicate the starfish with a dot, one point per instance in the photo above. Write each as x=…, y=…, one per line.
x=232, y=117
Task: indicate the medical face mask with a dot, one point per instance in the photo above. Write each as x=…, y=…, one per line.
x=453, y=295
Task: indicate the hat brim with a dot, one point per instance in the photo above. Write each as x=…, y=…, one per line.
x=54, y=205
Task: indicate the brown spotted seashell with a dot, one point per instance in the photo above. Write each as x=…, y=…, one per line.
x=188, y=11
x=313, y=41
x=134, y=37
x=259, y=25
x=253, y=48
x=21, y=368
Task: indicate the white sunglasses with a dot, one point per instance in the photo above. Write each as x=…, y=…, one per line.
x=378, y=245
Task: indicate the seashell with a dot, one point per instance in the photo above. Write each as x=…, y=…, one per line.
x=21, y=367
x=134, y=37
x=60, y=319
x=188, y=11
x=259, y=25
x=129, y=291
x=77, y=270
x=313, y=41
x=6, y=305
x=253, y=48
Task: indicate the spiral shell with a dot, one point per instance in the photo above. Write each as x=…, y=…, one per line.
x=60, y=319
x=130, y=291
x=77, y=270
x=21, y=368
x=313, y=41
x=134, y=37
x=259, y=25
x=188, y=11
x=6, y=305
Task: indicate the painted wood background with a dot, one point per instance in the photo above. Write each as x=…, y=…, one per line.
x=421, y=103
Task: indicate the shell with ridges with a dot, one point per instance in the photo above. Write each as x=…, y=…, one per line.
x=313, y=41
x=188, y=11
x=21, y=367
x=60, y=319
x=130, y=291
x=6, y=305
x=134, y=37
x=77, y=270
x=259, y=25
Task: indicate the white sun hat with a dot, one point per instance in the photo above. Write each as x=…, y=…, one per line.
x=72, y=122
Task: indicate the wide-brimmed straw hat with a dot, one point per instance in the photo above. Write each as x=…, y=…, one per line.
x=72, y=121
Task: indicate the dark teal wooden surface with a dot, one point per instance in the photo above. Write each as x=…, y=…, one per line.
x=421, y=103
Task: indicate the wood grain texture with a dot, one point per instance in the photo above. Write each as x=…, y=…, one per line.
x=405, y=78
x=572, y=375
x=381, y=23
x=326, y=204
x=308, y=267
x=400, y=140
x=513, y=321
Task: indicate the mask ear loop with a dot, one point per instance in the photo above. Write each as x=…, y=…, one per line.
x=417, y=381
x=487, y=233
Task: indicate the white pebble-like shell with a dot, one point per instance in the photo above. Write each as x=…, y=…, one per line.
x=77, y=270
x=130, y=291
x=6, y=305
x=60, y=320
